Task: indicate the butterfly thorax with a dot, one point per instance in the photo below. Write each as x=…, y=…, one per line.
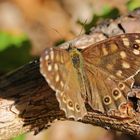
x=76, y=58
x=77, y=61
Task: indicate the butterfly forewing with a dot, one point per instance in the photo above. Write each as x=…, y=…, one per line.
x=110, y=67
x=118, y=56
x=56, y=66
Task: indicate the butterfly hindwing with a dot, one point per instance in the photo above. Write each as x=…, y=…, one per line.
x=106, y=94
x=57, y=68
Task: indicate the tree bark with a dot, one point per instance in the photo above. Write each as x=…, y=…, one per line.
x=27, y=103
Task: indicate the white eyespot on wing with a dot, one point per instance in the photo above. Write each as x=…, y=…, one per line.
x=109, y=66
x=119, y=73
x=125, y=65
x=47, y=57
x=61, y=60
x=138, y=41
x=49, y=67
x=116, y=94
x=107, y=100
x=77, y=107
x=57, y=78
x=123, y=54
x=52, y=54
x=121, y=86
x=61, y=93
x=136, y=52
x=70, y=104
x=61, y=84
x=125, y=41
x=56, y=67
x=104, y=50
x=64, y=99
x=136, y=36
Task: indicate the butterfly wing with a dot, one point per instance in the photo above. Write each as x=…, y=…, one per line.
x=57, y=68
x=119, y=56
x=106, y=94
x=107, y=64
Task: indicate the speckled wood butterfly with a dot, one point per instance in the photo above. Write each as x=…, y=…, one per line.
x=101, y=74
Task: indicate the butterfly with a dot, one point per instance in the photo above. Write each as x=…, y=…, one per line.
x=100, y=74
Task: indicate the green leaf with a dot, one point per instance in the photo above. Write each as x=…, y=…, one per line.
x=14, y=57
x=21, y=137
x=133, y=4
x=106, y=9
x=7, y=39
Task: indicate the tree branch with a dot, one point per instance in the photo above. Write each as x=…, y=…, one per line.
x=27, y=103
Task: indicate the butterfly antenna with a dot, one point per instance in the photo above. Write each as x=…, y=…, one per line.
x=57, y=32
x=82, y=27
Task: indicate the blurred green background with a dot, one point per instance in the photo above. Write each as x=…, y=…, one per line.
x=14, y=51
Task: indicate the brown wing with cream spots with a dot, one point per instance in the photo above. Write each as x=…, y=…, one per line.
x=57, y=68
x=119, y=56
x=105, y=94
x=107, y=64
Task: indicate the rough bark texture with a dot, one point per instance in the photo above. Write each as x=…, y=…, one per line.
x=28, y=104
